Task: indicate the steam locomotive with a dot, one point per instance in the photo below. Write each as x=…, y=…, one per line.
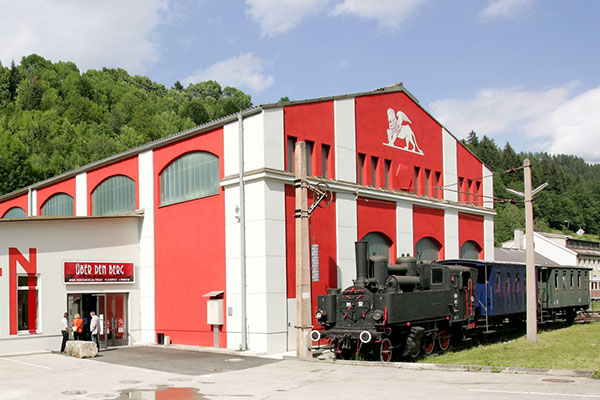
x=404, y=309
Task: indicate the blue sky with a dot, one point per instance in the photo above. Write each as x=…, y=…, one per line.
x=523, y=71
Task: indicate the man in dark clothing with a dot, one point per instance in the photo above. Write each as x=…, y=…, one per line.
x=65, y=331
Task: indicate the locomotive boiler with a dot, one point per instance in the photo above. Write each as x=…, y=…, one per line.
x=396, y=310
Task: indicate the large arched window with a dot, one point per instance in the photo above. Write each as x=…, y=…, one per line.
x=15, y=212
x=470, y=251
x=58, y=205
x=377, y=244
x=115, y=195
x=191, y=176
x=427, y=249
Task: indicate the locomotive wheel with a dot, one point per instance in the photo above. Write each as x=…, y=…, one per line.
x=385, y=350
x=443, y=340
x=428, y=344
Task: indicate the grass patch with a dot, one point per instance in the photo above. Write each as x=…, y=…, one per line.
x=595, y=306
x=573, y=347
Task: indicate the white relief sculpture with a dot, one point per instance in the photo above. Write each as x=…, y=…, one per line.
x=397, y=130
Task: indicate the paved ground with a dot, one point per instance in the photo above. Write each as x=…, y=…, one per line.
x=152, y=373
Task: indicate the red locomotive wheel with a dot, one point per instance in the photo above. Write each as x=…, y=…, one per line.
x=444, y=341
x=385, y=351
x=428, y=344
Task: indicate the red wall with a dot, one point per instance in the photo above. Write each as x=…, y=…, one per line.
x=66, y=186
x=469, y=168
x=428, y=222
x=312, y=122
x=20, y=201
x=371, y=134
x=127, y=167
x=322, y=232
x=377, y=216
x=470, y=227
x=189, y=250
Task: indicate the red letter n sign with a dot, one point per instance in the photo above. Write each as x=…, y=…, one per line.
x=14, y=257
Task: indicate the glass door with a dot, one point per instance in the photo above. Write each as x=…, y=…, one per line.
x=118, y=318
x=102, y=331
x=112, y=315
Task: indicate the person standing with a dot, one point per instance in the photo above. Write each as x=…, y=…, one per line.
x=94, y=329
x=77, y=327
x=65, y=331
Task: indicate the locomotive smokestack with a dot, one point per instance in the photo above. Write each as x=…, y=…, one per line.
x=360, y=249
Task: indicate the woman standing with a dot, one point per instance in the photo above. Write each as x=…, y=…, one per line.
x=77, y=327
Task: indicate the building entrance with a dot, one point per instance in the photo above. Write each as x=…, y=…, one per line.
x=111, y=309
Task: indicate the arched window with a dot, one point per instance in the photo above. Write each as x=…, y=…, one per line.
x=470, y=251
x=15, y=212
x=60, y=204
x=115, y=195
x=427, y=249
x=191, y=176
x=377, y=244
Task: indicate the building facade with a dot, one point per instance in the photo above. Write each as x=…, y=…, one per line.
x=565, y=250
x=195, y=253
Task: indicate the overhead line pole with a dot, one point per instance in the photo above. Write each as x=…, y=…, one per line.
x=530, y=274
x=303, y=295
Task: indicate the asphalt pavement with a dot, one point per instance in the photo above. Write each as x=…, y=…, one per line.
x=155, y=372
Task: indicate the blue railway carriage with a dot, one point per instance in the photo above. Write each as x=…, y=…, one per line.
x=500, y=291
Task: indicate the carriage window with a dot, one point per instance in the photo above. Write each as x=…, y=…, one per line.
x=507, y=283
x=437, y=276
x=572, y=281
x=517, y=283
x=579, y=280
x=497, y=281
x=564, y=281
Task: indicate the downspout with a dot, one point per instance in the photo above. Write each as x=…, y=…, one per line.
x=242, y=230
x=29, y=202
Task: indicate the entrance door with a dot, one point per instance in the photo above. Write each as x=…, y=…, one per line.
x=112, y=318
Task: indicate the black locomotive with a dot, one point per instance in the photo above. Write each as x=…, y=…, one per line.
x=403, y=309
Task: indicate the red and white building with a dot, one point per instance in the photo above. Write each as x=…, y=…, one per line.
x=142, y=236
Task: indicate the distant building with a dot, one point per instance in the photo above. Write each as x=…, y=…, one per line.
x=564, y=250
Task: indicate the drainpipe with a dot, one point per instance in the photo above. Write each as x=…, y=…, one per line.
x=29, y=202
x=242, y=231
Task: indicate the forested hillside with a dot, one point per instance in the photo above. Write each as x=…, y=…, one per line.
x=53, y=118
x=571, y=200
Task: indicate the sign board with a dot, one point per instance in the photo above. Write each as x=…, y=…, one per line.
x=314, y=262
x=98, y=272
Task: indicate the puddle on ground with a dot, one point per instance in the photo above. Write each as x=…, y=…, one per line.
x=170, y=393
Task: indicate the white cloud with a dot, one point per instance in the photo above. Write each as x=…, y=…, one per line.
x=244, y=70
x=389, y=14
x=557, y=121
x=112, y=33
x=279, y=16
x=508, y=9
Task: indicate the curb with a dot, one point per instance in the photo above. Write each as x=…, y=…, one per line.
x=452, y=367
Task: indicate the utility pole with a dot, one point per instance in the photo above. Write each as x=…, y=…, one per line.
x=303, y=296
x=530, y=275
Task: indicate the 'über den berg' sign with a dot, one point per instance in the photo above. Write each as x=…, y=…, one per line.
x=98, y=272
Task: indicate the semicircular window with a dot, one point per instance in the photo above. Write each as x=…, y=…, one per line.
x=377, y=244
x=58, y=205
x=115, y=195
x=15, y=212
x=470, y=251
x=191, y=176
x=427, y=249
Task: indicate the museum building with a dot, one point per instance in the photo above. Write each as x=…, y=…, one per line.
x=166, y=240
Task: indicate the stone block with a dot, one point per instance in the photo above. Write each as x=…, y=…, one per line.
x=81, y=349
